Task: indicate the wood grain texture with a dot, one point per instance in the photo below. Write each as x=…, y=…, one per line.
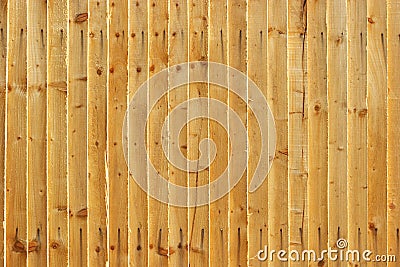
x=117, y=100
x=158, y=60
x=97, y=134
x=138, y=74
x=3, y=129
x=237, y=58
x=278, y=100
x=219, y=210
x=37, y=132
x=57, y=202
x=377, y=127
x=17, y=146
x=357, y=148
x=337, y=122
x=77, y=132
x=393, y=236
x=298, y=123
x=257, y=71
x=197, y=131
x=317, y=127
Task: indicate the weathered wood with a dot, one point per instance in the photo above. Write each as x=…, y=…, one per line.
x=16, y=146
x=77, y=132
x=298, y=123
x=97, y=134
x=57, y=201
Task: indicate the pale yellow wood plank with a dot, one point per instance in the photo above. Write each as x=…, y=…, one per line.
x=97, y=134
x=377, y=127
x=138, y=72
x=77, y=132
x=237, y=58
x=197, y=131
x=117, y=104
x=257, y=71
x=57, y=133
x=337, y=122
x=357, y=124
x=37, y=120
x=278, y=99
x=219, y=210
x=178, y=53
x=16, y=147
x=393, y=235
x=298, y=123
x=3, y=67
x=318, y=127
x=158, y=60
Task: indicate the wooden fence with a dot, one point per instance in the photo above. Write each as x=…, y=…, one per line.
x=330, y=71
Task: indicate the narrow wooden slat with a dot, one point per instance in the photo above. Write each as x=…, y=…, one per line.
x=138, y=72
x=278, y=99
x=77, y=132
x=97, y=133
x=158, y=60
x=337, y=121
x=357, y=124
x=393, y=235
x=37, y=120
x=257, y=71
x=237, y=58
x=3, y=67
x=178, y=53
x=117, y=104
x=16, y=147
x=57, y=198
x=298, y=123
x=197, y=131
x=318, y=127
x=219, y=210
x=377, y=127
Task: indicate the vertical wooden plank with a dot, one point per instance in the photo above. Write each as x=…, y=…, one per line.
x=3, y=78
x=138, y=73
x=393, y=235
x=278, y=99
x=257, y=71
x=337, y=122
x=57, y=133
x=298, y=136
x=77, y=132
x=317, y=127
x=158, y=60
x=377, y=127
x=117, y=104
x=237, y=58
x=357, y=124
x=219, y=210
x=178, y=35
x=16, y=147
x=197, y=131
x=97, y=133
x=37, y=130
